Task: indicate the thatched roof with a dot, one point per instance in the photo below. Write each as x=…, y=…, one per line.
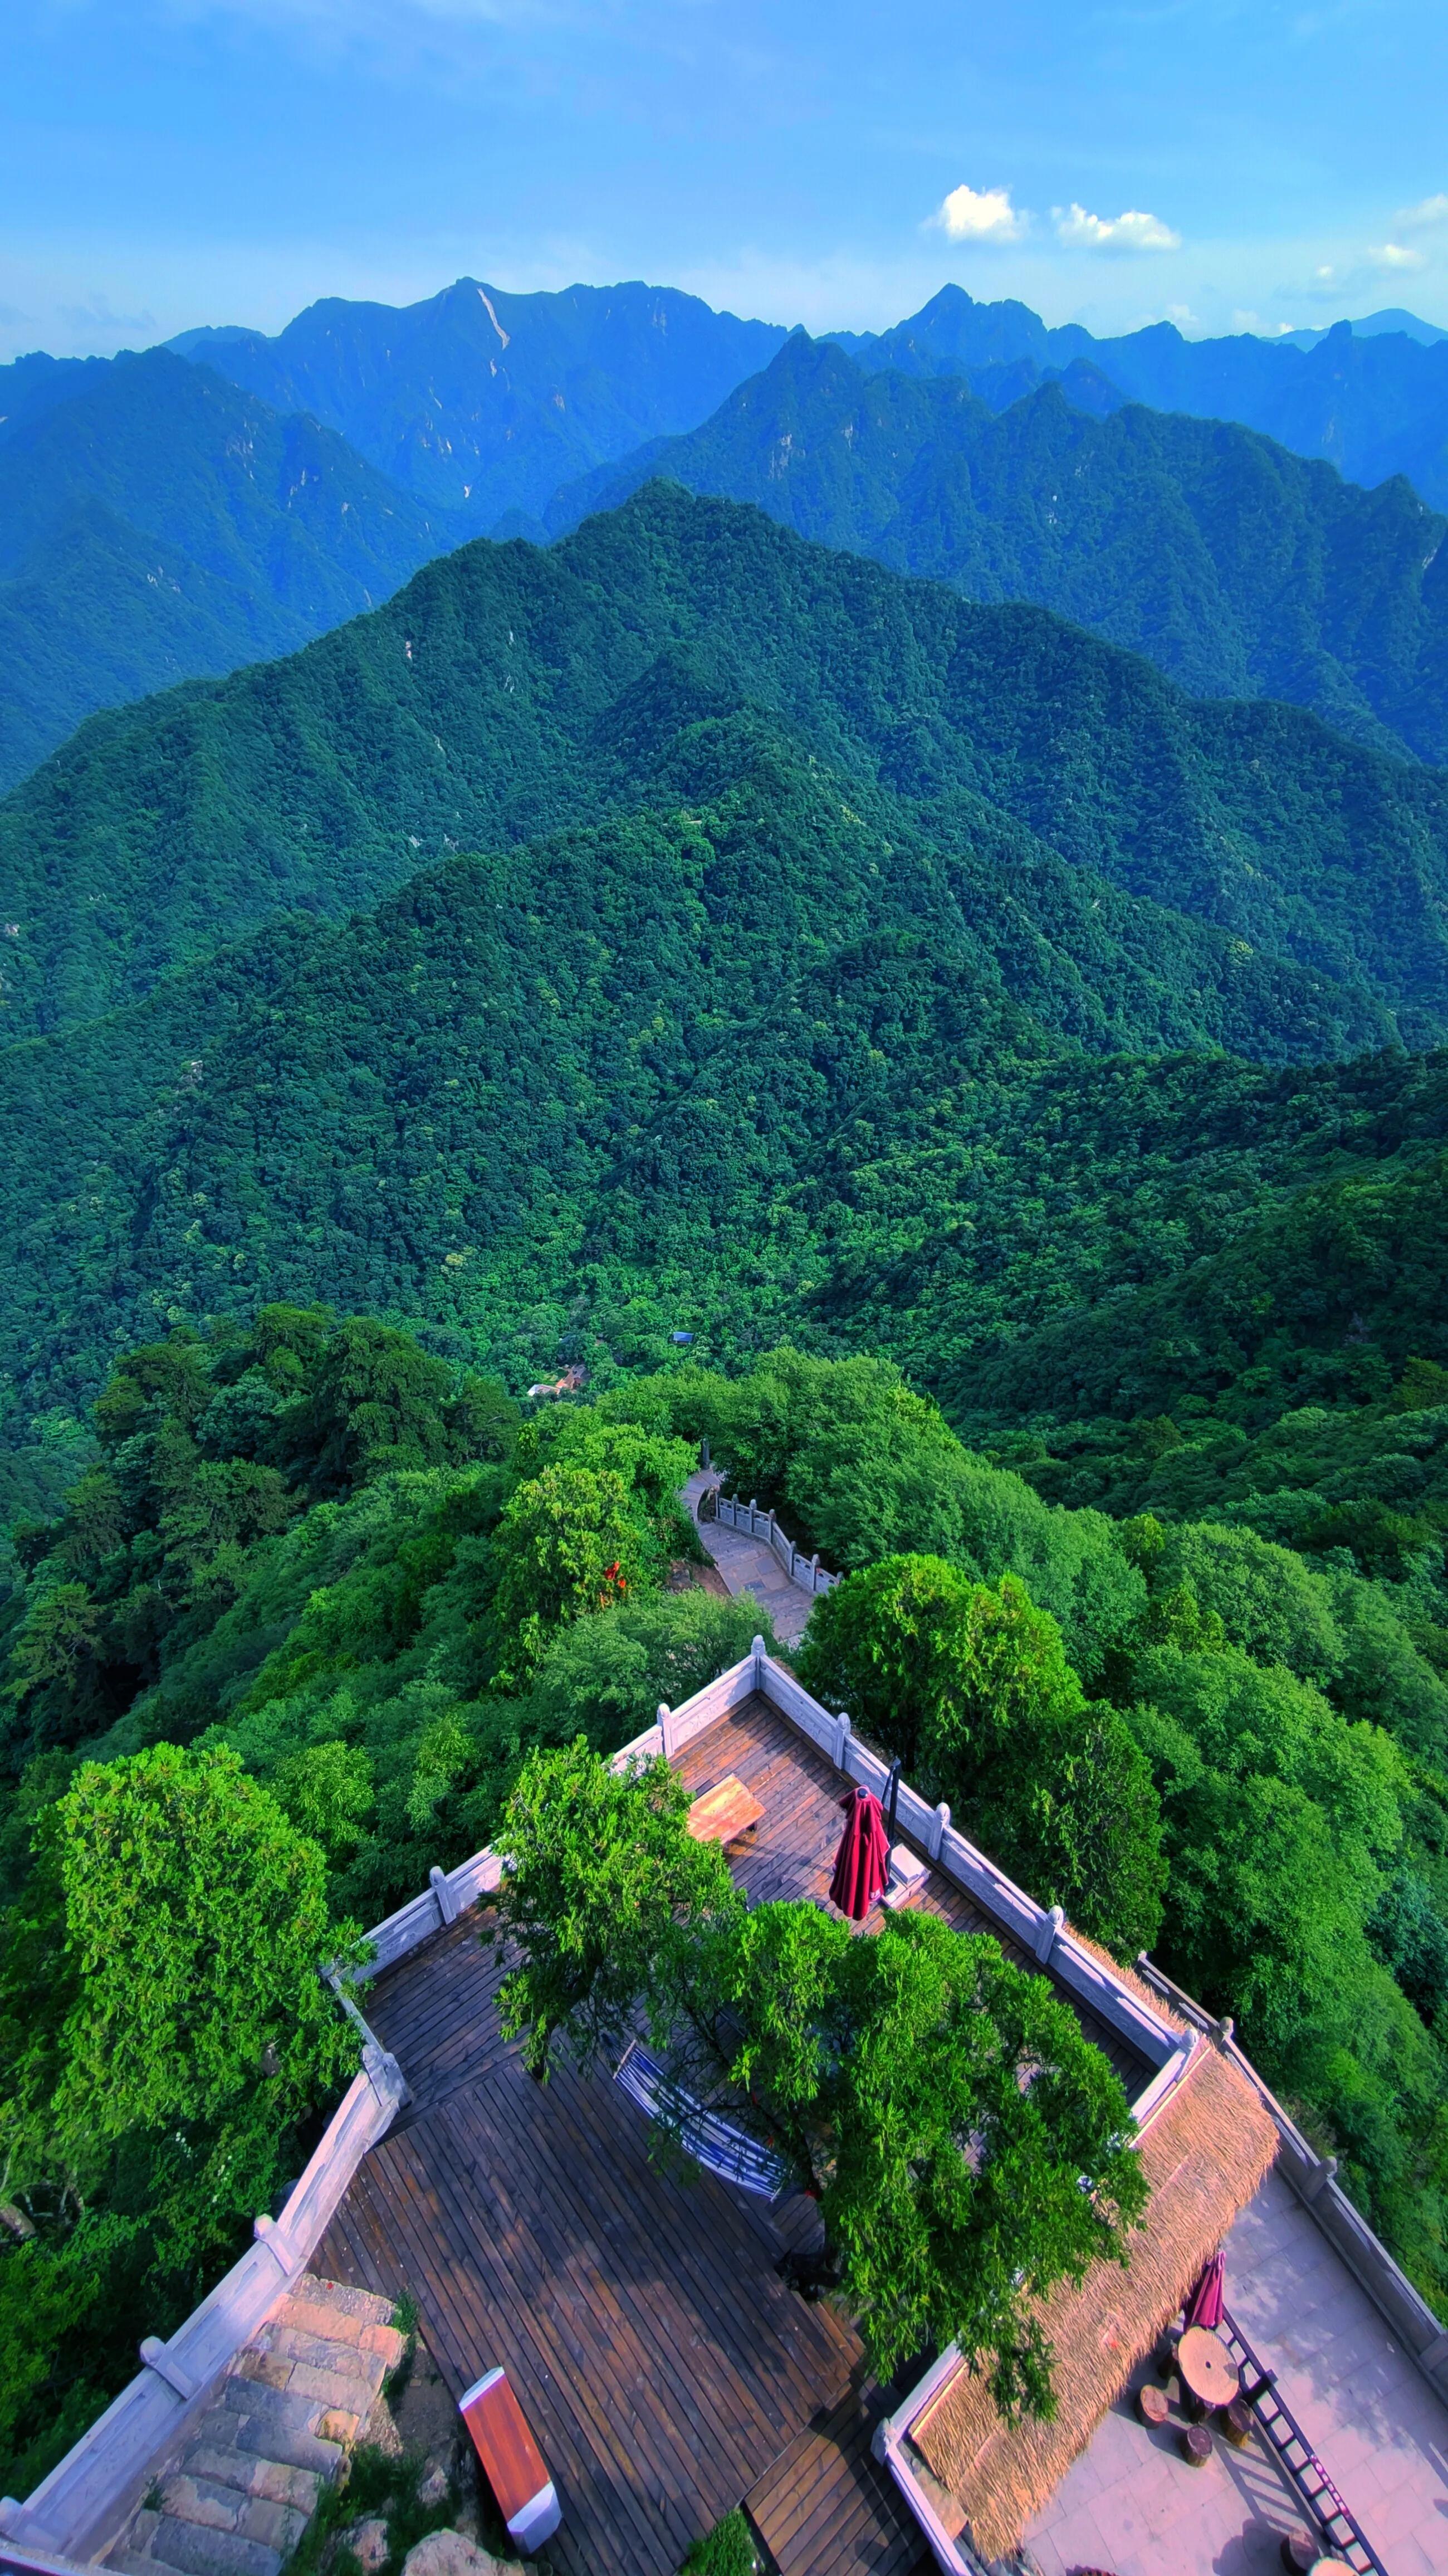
x=1204, y=2157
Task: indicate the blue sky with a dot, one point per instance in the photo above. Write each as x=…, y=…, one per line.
x=167, y=162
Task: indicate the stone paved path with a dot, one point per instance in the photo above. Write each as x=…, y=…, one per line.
x=241, y=2493
x=747, y=1565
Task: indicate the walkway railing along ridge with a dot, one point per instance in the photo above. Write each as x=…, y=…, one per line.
x=806, y=1571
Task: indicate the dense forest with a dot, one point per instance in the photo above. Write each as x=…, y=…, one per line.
x=1027, y=1085
x=319, y=1598
x=1241, y=570
x=800, y=1019
x=511, y=691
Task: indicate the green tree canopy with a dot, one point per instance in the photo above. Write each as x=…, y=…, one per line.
x=163, y=2032
x=887, y=1645
x=970, y=1686
x=967, y=2144
x=374, y=1402
x=604, y=1678
x=1268, y=1601
x=567, y=1544
x=195, y=1922
x=1246, y=1720
x=603, y=1885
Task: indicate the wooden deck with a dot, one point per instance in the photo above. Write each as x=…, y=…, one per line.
x=793, y=1852
x=667, y=2372
x=823, y=2508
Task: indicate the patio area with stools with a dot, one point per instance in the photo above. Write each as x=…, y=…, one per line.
x=1130, y=2502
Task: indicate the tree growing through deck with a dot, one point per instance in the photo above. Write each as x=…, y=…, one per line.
x=968, y=2147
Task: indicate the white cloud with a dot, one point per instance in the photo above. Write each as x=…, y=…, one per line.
x=1412, y=219
x=1338, y=282
x=980, y=215
x=96, y=318
x=1129, y=232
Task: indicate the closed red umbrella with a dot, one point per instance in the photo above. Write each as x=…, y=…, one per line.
x=862, y=1863
x=1204, y=2307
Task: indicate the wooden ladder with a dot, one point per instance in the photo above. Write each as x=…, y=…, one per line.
x=1297, y=2459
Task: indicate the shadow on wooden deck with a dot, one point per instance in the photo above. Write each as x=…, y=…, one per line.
x=666, y=2370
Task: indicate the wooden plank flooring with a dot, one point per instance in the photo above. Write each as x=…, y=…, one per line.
x=438, y=2013
x=825, y=2504
x=659, y=2358
x=792, y=1853
x=667, y=2372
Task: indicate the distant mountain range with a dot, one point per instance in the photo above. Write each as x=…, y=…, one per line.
x=478, y=401
x=482, y=402
x=158, y=524
x=1373, y=402
x=181, y=513
x=1239, y=569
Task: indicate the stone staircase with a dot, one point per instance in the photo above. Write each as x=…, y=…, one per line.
x=245, y=2482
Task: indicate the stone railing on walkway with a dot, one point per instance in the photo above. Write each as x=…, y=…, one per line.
x=806, y=1571
x=1040, y=1930
x=80, y=2507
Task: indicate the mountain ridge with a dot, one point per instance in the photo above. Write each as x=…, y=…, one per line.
x=1373, y=406
x=157, y=524
x=466, y=713
x=1240, y=569
x=646, y=1044
x=476, y=382
x=618, y=910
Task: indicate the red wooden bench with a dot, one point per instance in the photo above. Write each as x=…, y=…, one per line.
x=512, y=2462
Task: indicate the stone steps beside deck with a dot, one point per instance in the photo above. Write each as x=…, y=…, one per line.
x=245, y=2481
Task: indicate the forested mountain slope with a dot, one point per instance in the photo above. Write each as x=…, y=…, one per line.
x=1156, y=1231
x=661, y=1048
x=157, y=524
x=506, y=692
x=479, y=401
x=1373, y=406
x=1239, y=569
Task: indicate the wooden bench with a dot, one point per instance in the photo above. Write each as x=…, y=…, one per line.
x=512, y=2462
x=722, y=1814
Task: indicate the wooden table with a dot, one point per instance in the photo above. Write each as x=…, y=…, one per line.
x=721, y=1814
x=1206, y=2368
